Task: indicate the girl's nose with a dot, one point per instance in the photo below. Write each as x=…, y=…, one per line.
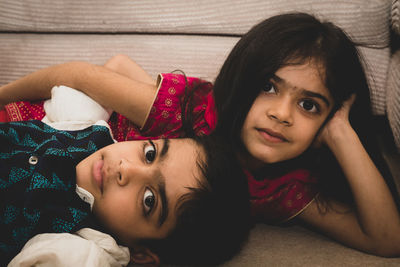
x=281, y=111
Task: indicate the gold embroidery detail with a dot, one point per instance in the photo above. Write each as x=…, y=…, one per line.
x=299, y=195
x=301, y=210
x=164, y=114
x=14, y=112
x=158, y=84
x=171, y=90
x=168, y=102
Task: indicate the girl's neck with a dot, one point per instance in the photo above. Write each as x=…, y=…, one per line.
x=258, y=167
x=250, y=163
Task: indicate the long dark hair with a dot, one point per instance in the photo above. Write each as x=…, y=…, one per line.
x=291, y=39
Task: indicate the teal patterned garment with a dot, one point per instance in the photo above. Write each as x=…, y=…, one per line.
x=37, y=181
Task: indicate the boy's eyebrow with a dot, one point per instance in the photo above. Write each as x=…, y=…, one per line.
x=161, y=185
x=164, y=149
x=278, y=79
x=164, y=201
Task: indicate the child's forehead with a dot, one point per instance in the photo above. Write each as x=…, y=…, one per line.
x=178, y=172
x=308, y=71
x=180, y=158
x=188, y=146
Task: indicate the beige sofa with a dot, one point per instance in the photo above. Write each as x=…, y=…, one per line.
x=196, y=36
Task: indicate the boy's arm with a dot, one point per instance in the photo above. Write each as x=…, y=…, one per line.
x=120, y=93
x=373, y=224
x=90, y=248
x=70, y=109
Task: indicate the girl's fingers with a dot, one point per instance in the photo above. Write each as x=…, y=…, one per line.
x=346, y=106
x=349, y=102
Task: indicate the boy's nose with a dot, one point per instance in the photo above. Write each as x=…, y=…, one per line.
x=129, y=171
x=281, y=112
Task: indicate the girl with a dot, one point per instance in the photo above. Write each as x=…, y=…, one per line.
x=293, y=100
x=288, y=86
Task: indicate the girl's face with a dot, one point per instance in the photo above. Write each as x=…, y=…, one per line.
x=287, y=114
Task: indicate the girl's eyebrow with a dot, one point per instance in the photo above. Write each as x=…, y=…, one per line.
x=317, y=95
x=305, y=92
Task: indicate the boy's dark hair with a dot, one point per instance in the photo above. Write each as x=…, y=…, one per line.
x=213, y=220
x=295, y=39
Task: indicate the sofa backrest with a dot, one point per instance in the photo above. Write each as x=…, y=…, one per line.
x=194, y=36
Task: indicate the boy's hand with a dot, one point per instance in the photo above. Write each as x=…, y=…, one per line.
x=336, y=128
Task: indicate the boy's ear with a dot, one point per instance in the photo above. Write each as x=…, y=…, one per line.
x=144, y=256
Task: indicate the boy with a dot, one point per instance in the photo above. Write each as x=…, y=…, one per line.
x=162, y=198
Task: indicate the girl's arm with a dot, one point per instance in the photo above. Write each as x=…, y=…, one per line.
x=127, y=96
x=373, y=225
x=124, y=65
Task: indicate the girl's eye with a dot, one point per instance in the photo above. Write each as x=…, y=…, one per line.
x=309, y=106
x=150, y=152
x=148, y=201
x=269, y=88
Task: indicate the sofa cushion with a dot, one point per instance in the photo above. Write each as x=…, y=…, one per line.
x=366, y=22
x=393, y=97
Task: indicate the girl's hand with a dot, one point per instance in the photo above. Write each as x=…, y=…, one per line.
x=3, y=100
x=372, y=222
x=336, y=128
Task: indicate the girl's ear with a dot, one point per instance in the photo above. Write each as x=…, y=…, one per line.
x=144, y=256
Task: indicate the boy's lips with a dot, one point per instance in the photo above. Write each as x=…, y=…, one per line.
x=97, y=174
x=272, y=136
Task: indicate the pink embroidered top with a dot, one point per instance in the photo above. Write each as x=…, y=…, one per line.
x=165, y=117
x=273, y=199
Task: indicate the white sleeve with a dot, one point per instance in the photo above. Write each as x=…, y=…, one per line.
x=87, y=247
x=70, y=109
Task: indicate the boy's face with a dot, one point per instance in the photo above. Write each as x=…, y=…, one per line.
x=136, y=185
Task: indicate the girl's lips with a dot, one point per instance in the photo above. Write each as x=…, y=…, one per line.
x=97, y=174
x=272, y=136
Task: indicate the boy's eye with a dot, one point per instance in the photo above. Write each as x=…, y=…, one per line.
x=148, y=201
x=150, y=152
x=309, y=106
x=269, y=88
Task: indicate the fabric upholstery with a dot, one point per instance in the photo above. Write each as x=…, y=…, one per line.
x=393, y=97
x=196, y=37
x=395, y=13
x=367, y=22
